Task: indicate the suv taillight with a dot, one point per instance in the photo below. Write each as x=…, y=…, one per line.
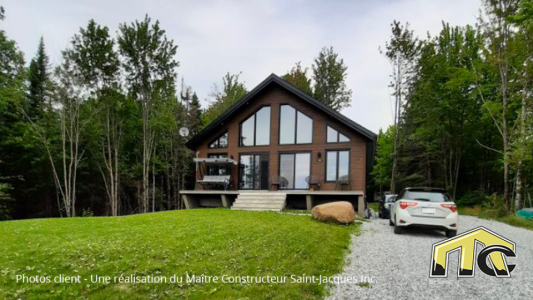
x=404, y=205
x=452, y=207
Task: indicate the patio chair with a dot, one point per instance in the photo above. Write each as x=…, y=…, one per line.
x=343, y=180
x=312, y=180
x=279, y=181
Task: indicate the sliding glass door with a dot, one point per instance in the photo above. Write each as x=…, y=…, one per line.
x=295, y=167
x=253, y=171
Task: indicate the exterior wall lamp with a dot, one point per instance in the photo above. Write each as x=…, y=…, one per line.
x=319, y=157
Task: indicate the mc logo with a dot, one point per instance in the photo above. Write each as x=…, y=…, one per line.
x=496, y=248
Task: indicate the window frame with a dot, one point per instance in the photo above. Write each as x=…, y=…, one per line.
x=296, y=111
x=337, y=163
x=338, y=135
x=254, y=115
x=239, y=169
x=217, y=140
x=294, y=165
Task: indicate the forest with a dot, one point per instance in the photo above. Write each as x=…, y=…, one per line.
x=98, y=134
x=463, y=109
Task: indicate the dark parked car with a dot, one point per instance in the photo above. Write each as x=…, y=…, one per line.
x=384, y=206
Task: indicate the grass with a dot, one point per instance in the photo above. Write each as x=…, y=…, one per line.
x=510, y=219
x=213, y=242
x=374, y=206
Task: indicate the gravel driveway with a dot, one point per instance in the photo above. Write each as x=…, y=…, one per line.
x=399, y=265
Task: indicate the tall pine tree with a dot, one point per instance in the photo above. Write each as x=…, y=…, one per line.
x=38, y=81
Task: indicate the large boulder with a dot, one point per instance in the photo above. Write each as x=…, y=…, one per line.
x=335, y=212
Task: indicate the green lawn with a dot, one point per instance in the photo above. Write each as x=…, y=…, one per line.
x=213, y=242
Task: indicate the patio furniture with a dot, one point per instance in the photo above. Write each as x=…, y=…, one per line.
x=343, y=180
x=213, y=181
x=279, y=182
x=312, y=181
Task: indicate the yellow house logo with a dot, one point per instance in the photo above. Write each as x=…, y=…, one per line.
x=492, y=260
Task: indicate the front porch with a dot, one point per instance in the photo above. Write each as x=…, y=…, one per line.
x=298, y=199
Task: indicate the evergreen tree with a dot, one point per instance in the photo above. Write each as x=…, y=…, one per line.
x=329, y=74
x=39, y=81
x=195, y=115
x=297, y=76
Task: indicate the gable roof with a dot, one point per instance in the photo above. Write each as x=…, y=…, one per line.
x=273, y=78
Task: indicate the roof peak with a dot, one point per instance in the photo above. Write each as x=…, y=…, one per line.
x=291, y=88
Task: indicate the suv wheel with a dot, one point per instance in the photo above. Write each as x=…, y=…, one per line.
x=451, y=233
x=398, y=229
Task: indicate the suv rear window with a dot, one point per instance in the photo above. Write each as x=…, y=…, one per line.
x=426, y=196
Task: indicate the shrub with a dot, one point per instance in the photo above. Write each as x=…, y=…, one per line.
x=472, y=198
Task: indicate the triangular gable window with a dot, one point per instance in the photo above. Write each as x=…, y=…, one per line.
x=334, y=136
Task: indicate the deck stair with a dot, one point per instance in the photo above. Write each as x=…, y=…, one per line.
x=252, y=200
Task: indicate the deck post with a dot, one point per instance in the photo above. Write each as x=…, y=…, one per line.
x=225, y=201
x=309, y=201
x=189, y=202
x=361, y=206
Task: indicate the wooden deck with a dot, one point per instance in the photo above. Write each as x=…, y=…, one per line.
x=198, y=198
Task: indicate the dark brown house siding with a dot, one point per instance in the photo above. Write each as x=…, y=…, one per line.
x=274, y=96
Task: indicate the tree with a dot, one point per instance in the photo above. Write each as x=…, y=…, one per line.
x=500, y=52
x=39, y=81
x=402, y=51
x=523, y=144
x=383, y=162
x=149, y=65
x=297, y=76
x=329, y=74
x=194, y=115
x=233, y=90
x=11, y=123
x=96, y=63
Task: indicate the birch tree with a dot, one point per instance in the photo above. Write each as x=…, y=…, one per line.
x=500, y=52
x=149, y=65
x=402, y=52
x=96, y=63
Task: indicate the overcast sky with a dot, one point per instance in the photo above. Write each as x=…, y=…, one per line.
x=256, y=38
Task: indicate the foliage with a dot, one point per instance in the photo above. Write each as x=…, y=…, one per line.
x=213, y=242
x=381, y=173
x=5, y=201
x=39, y=81
x=232, y=91
x=329, y=75
x=297, y=76
x=451, y=117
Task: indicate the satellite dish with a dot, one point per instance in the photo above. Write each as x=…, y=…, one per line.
x=184, y=131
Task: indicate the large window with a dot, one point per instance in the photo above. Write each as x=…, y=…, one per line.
x=294, y=127
x=334, y=136
x=255, y=131
x=337, y=164
x=220, y=142
x=253, y=171
x=217, y=170
x=295, y=167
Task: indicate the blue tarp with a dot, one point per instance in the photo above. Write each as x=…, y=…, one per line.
x=525, y=213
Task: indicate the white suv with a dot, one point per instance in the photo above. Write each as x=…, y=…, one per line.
x=424, y=207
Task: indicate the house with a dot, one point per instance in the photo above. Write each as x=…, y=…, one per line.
x=276, y=141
